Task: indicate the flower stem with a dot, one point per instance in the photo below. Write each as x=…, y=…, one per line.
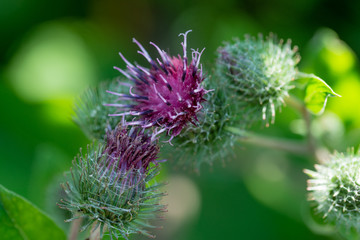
x=308, y=148
x=293, y=146
x=297, y=104
x=74, y=229
x=96, y=231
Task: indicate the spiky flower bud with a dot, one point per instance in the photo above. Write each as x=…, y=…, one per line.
x=335, y=188
x=112, y=185
x=209, y=140
x=168, y=95
x=91, y=114
x=259, y=72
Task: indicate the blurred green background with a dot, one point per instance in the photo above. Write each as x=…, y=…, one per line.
x=50, y=51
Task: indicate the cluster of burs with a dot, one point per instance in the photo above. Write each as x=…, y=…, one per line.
x=175, y=106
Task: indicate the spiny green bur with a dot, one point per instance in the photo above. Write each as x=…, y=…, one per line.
x=258, y=74
x=335, y=188
x=102, y=195
x=208, y=140
x=91, y=114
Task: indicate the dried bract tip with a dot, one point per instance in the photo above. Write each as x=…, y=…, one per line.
x=168, y=95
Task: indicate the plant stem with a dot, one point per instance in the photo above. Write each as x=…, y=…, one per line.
x=297, y=147
x=311, y=143
x=74, y=229
x=310, y=137
x=293, y=146
x=95, y=231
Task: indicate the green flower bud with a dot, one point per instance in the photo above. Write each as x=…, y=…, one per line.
x=91, y=114
x=114, y=185
x=258, y=72
x=335, y=188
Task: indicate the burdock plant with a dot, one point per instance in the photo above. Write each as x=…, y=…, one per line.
x=252, y=80
x=112, y=186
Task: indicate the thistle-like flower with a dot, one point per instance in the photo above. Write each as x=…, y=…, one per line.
x=259, y=73
x=168, y=95
x=335, y=188
x=112, y=185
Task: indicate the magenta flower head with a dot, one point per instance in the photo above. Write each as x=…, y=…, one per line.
x=128, y=150
x=112, y=186
x=167, y=95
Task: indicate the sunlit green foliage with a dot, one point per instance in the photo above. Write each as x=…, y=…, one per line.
x=265, y=185
x=20, y=220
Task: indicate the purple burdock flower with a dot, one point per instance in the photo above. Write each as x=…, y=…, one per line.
x=129, y=150
x=168, y=95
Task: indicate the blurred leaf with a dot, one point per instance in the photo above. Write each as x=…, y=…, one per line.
x=50, y=162
x=232, y=25
x=19, y=219
x=267, y=179
x=349, y=87
x=315, y=221
x=327, y=55
x=52, y=63
x=317, y=92
x=330, y=129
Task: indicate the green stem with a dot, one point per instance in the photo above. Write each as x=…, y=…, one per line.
x=300, y=106
x=74, y=229
x=95, y=231
x=300, y=75
x=310, y=137
x=307, y=148
x=297, y=147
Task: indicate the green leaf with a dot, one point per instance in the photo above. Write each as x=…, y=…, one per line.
x=316, y=92
x=19, y=219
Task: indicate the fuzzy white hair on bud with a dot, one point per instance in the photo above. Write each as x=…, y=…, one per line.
x=258, y=74
x=335, y=189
